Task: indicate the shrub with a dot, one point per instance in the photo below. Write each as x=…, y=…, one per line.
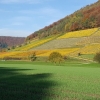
x=79, y=54
x=8, y=48
x=20, y=45
x=97, y=57
x=65, y=57
x=11, y=58
x=32, y=57
x=13, y=47
x=56, y=57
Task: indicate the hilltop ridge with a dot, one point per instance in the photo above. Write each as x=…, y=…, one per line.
x=12, y=41
x=85, y=18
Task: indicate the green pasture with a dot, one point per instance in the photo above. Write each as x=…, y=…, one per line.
x=87, y=56
x=46, y=81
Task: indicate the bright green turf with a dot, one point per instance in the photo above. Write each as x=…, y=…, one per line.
x=45, y=81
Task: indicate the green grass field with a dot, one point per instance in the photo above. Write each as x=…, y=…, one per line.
x=46, y=81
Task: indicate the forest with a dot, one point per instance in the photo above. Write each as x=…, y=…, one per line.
x=7, y=41
x=85, y=18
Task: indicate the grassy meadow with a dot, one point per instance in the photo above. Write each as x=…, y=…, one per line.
x=77, y=78
x=72, y=80
x=57, y=62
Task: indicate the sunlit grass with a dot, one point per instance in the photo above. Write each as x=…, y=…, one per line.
x=45, y=81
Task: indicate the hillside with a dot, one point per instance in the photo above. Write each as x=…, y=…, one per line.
x=11, y=41
x=87, y=44
x=78, y=33
x=85, y=18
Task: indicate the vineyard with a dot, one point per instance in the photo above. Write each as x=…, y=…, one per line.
x=88, y=49
x=64, y=52
x=34, y=44
x=97, y=33
x=59, y=44
x=39, y=53
x=91, y=49
x=72, y=43
x=81, y=33
x=7, y=54
x=60, y=61
x=88, y=40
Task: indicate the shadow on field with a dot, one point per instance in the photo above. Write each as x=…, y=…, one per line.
x=16, y=86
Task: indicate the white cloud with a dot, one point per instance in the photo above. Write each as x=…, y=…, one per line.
x=17, y=33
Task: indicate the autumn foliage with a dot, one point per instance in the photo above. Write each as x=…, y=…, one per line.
x=85, y=18
x=56, y=57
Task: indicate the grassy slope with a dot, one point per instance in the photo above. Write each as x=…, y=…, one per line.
x=70, y=39
x=43, y=81
x=54, y=42
x=90, y=44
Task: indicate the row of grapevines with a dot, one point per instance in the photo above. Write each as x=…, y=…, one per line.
x=34, y=44
x=81, y=33
x=23, y=54
x=62, y=51
x=89, y=40
x=7, y=54
x=89, y=49
x=97, y=33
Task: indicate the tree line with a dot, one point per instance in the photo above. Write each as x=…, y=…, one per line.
x=85, y=18
x=11, y=41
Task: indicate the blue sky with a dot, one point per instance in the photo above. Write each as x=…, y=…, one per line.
x=23, y=17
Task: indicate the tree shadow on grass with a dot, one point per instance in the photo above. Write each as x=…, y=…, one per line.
x=16, y=86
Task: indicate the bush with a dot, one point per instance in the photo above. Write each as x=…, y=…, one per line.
x=97, y=57
x=79, y=54
x=65, y=57
x=11, y=58
x=8, y=48
x=56, y=57
x=32, y=57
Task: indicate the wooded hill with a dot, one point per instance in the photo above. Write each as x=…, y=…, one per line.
x=76, y=34
x=85, y=18
x=7, y=41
